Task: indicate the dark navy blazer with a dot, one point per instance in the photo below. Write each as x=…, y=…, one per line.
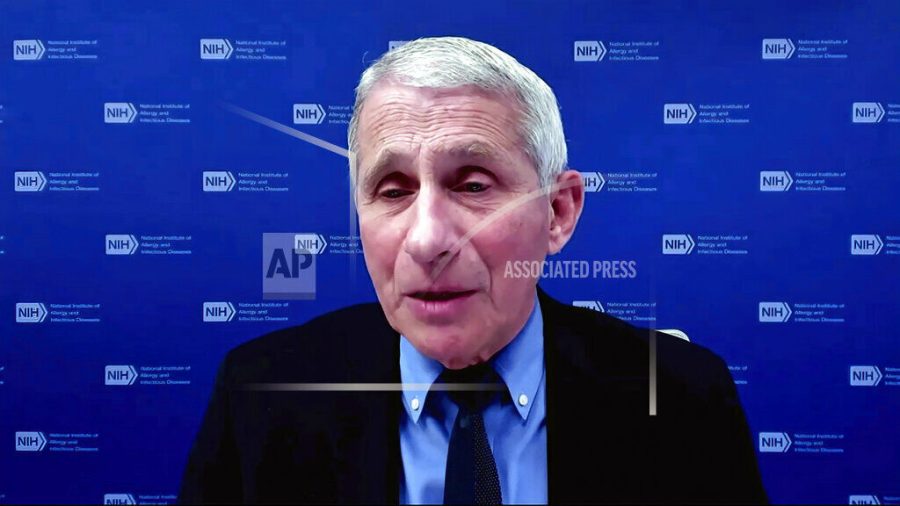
x=602, y=445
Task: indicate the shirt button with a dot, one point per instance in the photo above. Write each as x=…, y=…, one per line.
x=523, y=399
x=415, y=404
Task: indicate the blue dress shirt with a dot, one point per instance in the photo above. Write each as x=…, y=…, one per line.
x=516, y=431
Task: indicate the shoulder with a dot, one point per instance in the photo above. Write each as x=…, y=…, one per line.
x=599, y=342
x=317, y=350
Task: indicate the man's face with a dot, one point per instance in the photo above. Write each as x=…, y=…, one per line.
x=434, y=167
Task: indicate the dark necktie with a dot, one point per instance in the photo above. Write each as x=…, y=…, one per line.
x=471, y=476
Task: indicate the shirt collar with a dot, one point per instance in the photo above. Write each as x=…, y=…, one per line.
x=520, y=364
x=417, y=373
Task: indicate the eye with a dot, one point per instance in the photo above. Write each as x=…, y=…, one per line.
x=472, y=187
x=394, y=193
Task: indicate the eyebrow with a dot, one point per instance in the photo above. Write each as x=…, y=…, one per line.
x=387, y=157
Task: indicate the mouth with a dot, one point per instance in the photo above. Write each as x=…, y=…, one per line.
x=440, y=306
x=440, y=295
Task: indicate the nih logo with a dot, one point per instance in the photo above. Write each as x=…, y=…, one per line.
x=775, y=181
x=864, y=376
x=118, y=112
x=31, y=49
x=119, y=375
x=30, y=312
x=589, y=304
x=217, y=181
x=677, y=244
x=777, y=49
x=774, y=442
x=30, y=441
x=589, y=50
x=774, y=312
x=593, y=181
x=867, y=112
x=863, y=499
x=678, y=114
x=308, y=114
x=313, y=244
x=30, y=181
x=865, y=244
x=118, y=499
x=218, y=311
x=121, y=244
x=215, y=49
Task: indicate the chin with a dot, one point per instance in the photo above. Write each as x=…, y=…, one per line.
x=447, y=348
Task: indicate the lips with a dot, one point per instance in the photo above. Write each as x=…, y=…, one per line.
x=440, y=295
x=440, y=306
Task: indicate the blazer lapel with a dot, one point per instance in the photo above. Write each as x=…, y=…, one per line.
x=596, y=408
x=367, y=438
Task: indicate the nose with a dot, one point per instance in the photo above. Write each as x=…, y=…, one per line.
x=432, y=233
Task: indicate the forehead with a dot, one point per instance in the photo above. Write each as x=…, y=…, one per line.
x=461, y=121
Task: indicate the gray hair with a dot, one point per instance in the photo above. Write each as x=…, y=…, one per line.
x=449, y=62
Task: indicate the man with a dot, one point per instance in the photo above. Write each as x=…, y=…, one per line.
x=464, y=384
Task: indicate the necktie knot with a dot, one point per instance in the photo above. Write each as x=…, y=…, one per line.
x=471, y=475
x=471, y=388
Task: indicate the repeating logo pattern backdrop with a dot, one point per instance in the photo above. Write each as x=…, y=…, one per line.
x=159, y=205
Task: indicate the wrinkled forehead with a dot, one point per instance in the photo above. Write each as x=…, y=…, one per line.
x=464, y=121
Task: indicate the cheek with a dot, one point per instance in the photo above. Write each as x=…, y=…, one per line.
x=380, y=244
x=521, y=236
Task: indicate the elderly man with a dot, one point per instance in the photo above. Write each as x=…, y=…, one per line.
x=464, y=384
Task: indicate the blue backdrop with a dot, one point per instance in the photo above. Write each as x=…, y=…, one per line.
x=744, y=155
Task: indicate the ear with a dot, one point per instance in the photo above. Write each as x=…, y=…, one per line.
x=566, y=204
x=353, y=178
